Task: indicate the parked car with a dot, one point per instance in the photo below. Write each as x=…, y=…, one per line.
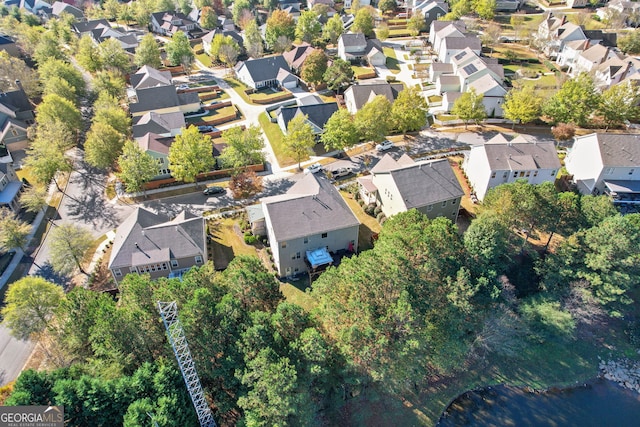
x=205, y=128
x=384, y=145
x=340, y=172
x=213, y=191
x=314, y=168
x=183, y=87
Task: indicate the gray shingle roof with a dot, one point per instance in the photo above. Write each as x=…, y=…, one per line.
x=83, y=27
x=427, y=183
x=520, y=154
x=317, y=114
x=362, y=92
x=353, y=39
x=618, y=150
x=462, y=43
x=156, y=98
x=146, y=238
x=148, y=76
x=154, y=142
x=158, y=123
x=267, y=68
x=312, y=206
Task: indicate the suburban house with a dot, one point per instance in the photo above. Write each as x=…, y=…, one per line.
x=354, y=47
x=359, y=94
x=508, y=5
x=553, y=33
x=85, y=27
x=500, y=161
x=439, y=30
x=270, y=71
x=617, y=70
x=33, y=6
x=400, y=185
x=157, y=146
x=492, y=91
x=628, y=10
x=147, y=77
x=168, y=23
x=168, y=124
x=127, y=39
x=603, y=163
x=590, y=58
x=296, y=56
x=316, y=115
x=431, y=9
x=16, y=115
x=347, y=4
x=577, y=3
x=307, y=224
x=153, y=244
x=8, y=44
x=570, y=51
x=451, y=46
x=226, y=23
x=10, y=184
x=207, y=39
x=59, y=7
x=164, y=99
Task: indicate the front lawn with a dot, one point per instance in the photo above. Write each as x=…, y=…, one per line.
x=276, y=139
x=239, y=87
x=392, y=61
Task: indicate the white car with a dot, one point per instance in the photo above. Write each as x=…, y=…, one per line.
x=314, y=168
x=384, y=145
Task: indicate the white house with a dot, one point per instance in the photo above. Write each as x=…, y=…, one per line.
x=354, y=47
x=603, y=163
x=266, y=72
x=441, y=29
x=452, y=46
x=590, y=58
x=553, y=33
x=500, y=161
x=400, y=185
x=307, y=224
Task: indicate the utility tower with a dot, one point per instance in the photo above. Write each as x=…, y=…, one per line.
x=169, y=313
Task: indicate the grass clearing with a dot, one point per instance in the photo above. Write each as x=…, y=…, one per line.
x=205, y=59
x=294, y=293
x=276, y=139
x=88, y=256
x=227, y=243
x=362, y=72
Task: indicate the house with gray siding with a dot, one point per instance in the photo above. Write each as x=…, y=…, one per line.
x=148, y=243
x=311, y=218
x=400, y=185
x=16, y=115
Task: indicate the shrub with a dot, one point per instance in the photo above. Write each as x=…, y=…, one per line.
x=249, y=238
x=381, y=217
x=391, y=78
x=370, y=209
x=361, y=203
x=377, y=210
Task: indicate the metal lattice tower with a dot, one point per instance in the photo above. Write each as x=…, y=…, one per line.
x=169, y=313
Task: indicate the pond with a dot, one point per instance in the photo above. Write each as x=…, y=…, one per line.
x=599, y=403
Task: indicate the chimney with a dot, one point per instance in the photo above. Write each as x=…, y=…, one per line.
x=19, y=85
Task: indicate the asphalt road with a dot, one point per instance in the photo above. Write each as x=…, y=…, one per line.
x=13, y=355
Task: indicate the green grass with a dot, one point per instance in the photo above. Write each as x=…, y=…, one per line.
x=239, y=87
x=267, y=94
x=434, y=98
x=399, y=32
x=361, y=71
x=392, y=61
x=212, y=115
x=205, y=59
x=295, y=295
x=276, y=139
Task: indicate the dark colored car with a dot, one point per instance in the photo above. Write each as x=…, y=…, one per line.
x=212, y=191
x=205, y=128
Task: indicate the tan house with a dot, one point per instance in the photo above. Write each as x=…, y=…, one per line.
x=400, y=185
x=307, y=225
x=148, y=243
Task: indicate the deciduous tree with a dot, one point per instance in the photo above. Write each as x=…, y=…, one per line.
x=363, y=22
x=103, y=145
x=279, y=24
x=387, y=5
x=11, y=67
x=469, y=107
x=179, y=50
x=13, y=231
x=409, y=111
x=148, y=52
x=314, y=67
x=486, y=9
x=69, y=245
x=208, y=18
x=333, y=29
x=253, y=40
x=574, y=103
x=56, y=109
x=34, y=198
x=136, y=167
x=308, y=27
x=522, y=105
x=373, y=121
x=245, y=184
x=630, y=43
x=339, y=132
x=29, y=305
x=57, y=68
x=190, y=154
x=87, y=54
x=299, y=140
x=620, y=104
x=416, y=23
x=244, y=147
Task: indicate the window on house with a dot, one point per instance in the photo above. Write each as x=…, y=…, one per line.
x=521, y=174
x=174, y=263
x=608, y=171
x=429, y=208
x=553, y=173
x=528, y=174
x=504, y=175
x=283, y=245
x=515, y=174
x=295, y=270
x=535, y=173
x=306, y=240
x=297, y=255
x=324, y=235
x=117, y=272
x=133, y=270
x=631, y=171
x=14, y=132
x=198, y=259
x=161, y=160
x=293, y=256
x=493, y=175
x=444, y=203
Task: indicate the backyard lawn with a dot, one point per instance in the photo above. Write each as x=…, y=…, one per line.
x=362, y=72
x=368, y=224
x=226, y=242
x=276, y=139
